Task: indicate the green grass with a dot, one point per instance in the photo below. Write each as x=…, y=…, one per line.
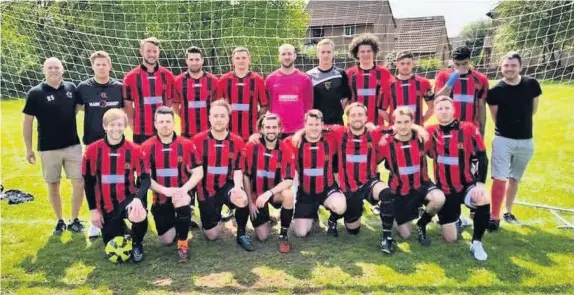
x=536, y=258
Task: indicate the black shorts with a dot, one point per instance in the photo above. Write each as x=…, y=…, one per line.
x=114, y=222
x=355, y=200
x=140, y=138
x=210, y=208
x=450, y=211
x=307, y=206
x=407, y=207
x=263, y=215
x=164, y=216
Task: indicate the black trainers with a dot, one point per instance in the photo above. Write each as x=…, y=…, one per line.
x=510, y=218
x=332, y=229
x=423, y=239
x=60, y=227
x=227, y=215
x=76, y=226
x=387, y=246
x=138, y=252
x=245, y=242
x=493, y=225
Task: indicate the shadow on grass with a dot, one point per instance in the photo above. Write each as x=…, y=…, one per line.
x=316, y=263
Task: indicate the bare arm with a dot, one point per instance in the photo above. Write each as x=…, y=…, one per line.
x=283, y=185
x=238, y=178
x=129, y=109
x=493, y=112
x=158, y=188
x=196, y=176
x=482, y=115
x=176, y=107
x=534, y=105
x=430, y=110
x=27, y=131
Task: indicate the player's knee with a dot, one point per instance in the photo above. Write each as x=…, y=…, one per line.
x=450, y=238
x=437, y=198
x=300, y=230
x=287, y=196
x=262, y=236
x=354, y=231
x=339, y=205
x=405, y=235
x=212, y=234
x=240, y=201
x=167, y=238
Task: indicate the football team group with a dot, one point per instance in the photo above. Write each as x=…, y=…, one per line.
x=247, y=142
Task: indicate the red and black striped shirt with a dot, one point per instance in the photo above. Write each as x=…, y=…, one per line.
x=148, y=91
x=466, y=94
x=409, y=93
x=115, y=168
x=406, y=161
x=246, y=95
x=194, y=97
x=357, y=156
x=316, y=163
x=266, y=168
x=452, y=149
x=220, y=158
x=370, y=87
x=168, y=163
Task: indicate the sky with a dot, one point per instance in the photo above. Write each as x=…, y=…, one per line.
x=457, y=13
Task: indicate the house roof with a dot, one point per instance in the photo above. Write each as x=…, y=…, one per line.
x=420, y=34
x=339, y=13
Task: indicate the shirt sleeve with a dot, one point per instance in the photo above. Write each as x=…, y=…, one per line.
x=308, y=94
x=127, y=91
x=536, y=89
x=31, y=106
x=476, y=139
x=345, y=90
x=221, y=87
x=143, y=156
x=261, y=93
x=239, y=156
x=214, y=84
x=439, y=81
x=426, y=90
x=177, y=89
x=288, y=165
x=349, y=73
x=492, y=96
x=386, y=95
x=169, y=91
x=194, y=157
x=247, y=155
x=483, y=94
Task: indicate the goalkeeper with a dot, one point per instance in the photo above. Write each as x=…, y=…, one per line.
x=109, y=167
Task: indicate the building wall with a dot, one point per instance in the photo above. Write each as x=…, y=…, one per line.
x=336, y=33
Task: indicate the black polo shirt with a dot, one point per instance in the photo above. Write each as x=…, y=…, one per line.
x=55, y=110
x=97, y=99
x=515, y=106
x=329, y=88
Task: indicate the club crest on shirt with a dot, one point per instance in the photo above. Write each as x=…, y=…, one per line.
x=127, y=166
x=328, y=85
x=179, y=159
x=460, y=146
x=69, y=94
x=230, y=155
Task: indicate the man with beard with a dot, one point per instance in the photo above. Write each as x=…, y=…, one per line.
x=169, y=158
x=405, y=158
x=269, y=170
x=222, y=183
x=110, y=166
x=453, y=146
x=290, y=91
x=194, y=90
x=245, y=91
x=146, y=88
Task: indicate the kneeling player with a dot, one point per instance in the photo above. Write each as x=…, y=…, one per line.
x=269, y=170
x=454, y=146
x=316, y=158
x=169, y=158
x=110, y=166
x=222, y=183
x=405, y=158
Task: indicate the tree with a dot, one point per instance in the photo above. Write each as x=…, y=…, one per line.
x=544, y=27
x=473, y=35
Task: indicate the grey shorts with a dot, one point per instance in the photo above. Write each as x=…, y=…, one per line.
x=510, y=157
x=70, y=158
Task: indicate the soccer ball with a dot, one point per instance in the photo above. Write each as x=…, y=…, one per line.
x=119, y=249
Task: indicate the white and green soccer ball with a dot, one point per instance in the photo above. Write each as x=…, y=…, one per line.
x=119, y=249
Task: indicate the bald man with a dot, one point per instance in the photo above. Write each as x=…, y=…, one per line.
x=53, y=104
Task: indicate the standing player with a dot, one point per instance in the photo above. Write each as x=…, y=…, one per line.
x=404, y=156
x=169, y=158
x=368, y=81
x=53, y=104
x=269, y=170
x=409, y=90
x=330, y=84
x=110, y=166
x=245, y=91
x=223, y=176
x=513, y=103
x=316, y=162
x=466, y=87
x=453, y=146
x=290, y=91
x=194, y=90
x=146, y=88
